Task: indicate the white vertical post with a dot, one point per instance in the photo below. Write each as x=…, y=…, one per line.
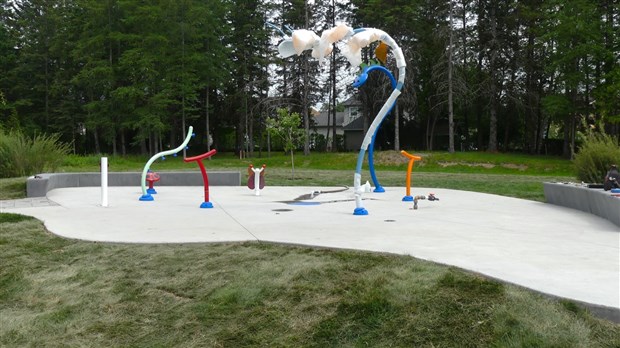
x=257, y=182
x=104, y=181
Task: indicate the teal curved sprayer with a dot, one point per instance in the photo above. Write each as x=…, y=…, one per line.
x=145, y=195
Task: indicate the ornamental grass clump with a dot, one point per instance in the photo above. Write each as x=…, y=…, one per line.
x=597, y=153
x=21, y=155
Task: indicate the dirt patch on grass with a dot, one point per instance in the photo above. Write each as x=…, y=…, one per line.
x=393, y=158
x=520, y=167
x=450, y=164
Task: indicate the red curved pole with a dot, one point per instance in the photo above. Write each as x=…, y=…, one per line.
x=199, y=157
x=205, y=178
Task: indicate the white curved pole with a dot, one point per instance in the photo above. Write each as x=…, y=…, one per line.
x=356, y=40
x=400, y=61
x=163, y=153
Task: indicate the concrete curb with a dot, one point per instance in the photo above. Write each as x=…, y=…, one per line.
x=40, y=184
x=593, y=201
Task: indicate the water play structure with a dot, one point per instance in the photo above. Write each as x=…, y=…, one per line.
x=412, y=159
x=356, y=39
x=145, y=195
x=152, y=178
x=205, y=177
x=104, y=181
x=256, y=178
x=359, y=82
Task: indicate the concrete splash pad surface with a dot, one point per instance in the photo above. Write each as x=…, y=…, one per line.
x=551, y=249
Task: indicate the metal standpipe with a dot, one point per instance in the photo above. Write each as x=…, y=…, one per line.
x=104, y=182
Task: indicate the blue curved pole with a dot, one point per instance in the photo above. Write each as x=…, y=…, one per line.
x=359, y=81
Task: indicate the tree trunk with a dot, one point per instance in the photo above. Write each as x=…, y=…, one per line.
x=466, y=104
x=207, y=134
x=450, y=104
x=114, y=149
x=479, y=104
x=568, y=126
x=509, y=114
x=329, y=117
x=493, y=88
x=333, y=68
x=96, y=138
x=292, y=165
x=334, y=110
x=123, y=145
x=493, y=123
x=305, y=102
x=151, y=144
x=396, y=128
x=532, y=124
x=251, y=136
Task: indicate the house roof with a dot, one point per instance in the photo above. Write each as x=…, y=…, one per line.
x=356, y=125
x=352, y=101
x=321, y=119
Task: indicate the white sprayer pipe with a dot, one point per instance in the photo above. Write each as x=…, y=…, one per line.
x=104, y=181
x=257, y=180
x=161, y=154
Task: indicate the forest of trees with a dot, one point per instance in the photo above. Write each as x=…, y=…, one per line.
x=126, y=76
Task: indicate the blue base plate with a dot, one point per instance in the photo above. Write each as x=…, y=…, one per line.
x=408, y=199
x=147, y=197
x=205, y=205
x=360, y=211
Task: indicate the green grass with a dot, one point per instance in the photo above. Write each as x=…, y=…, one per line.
x=12, y=188
x=56, y=292
x=513, y=175
x=460, y=162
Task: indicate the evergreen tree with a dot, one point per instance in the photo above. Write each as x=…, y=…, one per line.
x=505, y=75
x=575, y=41
x=8, y=113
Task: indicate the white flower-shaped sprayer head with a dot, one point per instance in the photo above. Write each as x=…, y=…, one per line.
x=303, y=39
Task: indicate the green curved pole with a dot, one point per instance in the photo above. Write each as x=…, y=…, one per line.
x=163, y=153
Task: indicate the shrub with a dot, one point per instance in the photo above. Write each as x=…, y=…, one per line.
x=21, y=155
x=595, y=156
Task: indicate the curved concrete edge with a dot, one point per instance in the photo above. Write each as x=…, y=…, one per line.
x=607, y=313
x=599, y=311
x=593, y=201
x=40, y=184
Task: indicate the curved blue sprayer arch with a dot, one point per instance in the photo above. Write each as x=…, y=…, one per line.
x=359, y=81
x=356, y=40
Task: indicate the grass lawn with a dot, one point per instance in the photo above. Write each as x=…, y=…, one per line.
x=56, y=292
x=513, y=175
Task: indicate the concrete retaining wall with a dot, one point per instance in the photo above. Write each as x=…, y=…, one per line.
x=593, y=201
x=39, y=185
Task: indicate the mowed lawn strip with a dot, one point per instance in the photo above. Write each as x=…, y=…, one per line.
x=56, y=292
